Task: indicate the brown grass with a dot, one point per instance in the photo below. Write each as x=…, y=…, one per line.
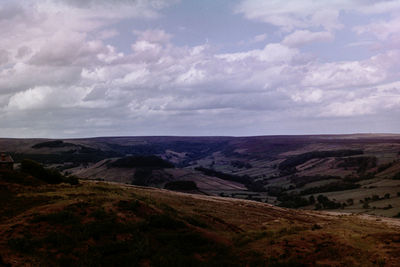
x=253, y=232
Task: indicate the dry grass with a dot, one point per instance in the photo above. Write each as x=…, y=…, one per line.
x=190, y=228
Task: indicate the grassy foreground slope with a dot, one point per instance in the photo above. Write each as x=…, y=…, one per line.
x=105, y=224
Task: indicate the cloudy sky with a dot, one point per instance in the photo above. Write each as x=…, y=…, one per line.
x=72, y=68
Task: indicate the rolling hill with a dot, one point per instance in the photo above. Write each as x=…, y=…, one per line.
x=353, y=173
x=109, y=224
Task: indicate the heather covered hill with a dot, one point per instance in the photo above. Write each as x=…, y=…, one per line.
x=102, y=224
x=355, y=173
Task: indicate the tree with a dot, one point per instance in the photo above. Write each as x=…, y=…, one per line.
x=350, y=201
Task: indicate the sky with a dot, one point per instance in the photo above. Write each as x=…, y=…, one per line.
x=72, y=68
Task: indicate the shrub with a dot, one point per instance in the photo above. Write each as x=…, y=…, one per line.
x=326, y=203
x=311, y=199
x=335, y=186
x=62, y=218
x=141, y=162
x=386, y=166
x=289, y=165
x=37, y=170
x=129, y=205
x=50, y=176
x=22, y=244
x=12, y=176
x=181, y=186
x=350, y=201
x=396, y=176
x=375, y=198
x=316, y=227
x=361, y=163
x=240, y=164
x=292, y=201
x=52, y=144
x=142, y=176
x=72, y=180
x=165, y=221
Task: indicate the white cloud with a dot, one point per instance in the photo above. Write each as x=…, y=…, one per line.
x=308, y=96
x=259, y=38
x=344, y=74
x=383, y=29
x=302, y=37
x=357, y=107
x=44, y=97
x=272, y=53
x=385, y=33
x=74, y=69
x=293, y=14
x=31, y=98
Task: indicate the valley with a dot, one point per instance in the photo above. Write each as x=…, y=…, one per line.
x=351, y=173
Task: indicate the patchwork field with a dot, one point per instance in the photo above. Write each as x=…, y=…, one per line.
x=290, y=171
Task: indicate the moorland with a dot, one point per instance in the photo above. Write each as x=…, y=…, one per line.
x=327, y=200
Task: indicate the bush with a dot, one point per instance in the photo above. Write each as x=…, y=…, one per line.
x=21, y=244
x=181, y=186
x=289, y=165
x=52, y=144
x=240, y=164
x=62, y=218
x=17, y=177
x=142, y=176
x=335, y=186
x=396, y=176
x=326, y=203
x=165, y=221
x=129, y=205
x=256, y=186
x=72, y=180
x=361, y=163
x=141, y=162
x=292, y=201
x=37, y=170
x=301, y=181
x=386, y=166
x=350, y=201
x=50, y=176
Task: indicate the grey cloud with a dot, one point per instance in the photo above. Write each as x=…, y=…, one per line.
x=4, y=57
x=23, y=51
x=10, y=11
x=60, y=80
x=93, y=3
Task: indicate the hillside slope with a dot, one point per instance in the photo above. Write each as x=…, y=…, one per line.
x=357, y=173
x=103, y=224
